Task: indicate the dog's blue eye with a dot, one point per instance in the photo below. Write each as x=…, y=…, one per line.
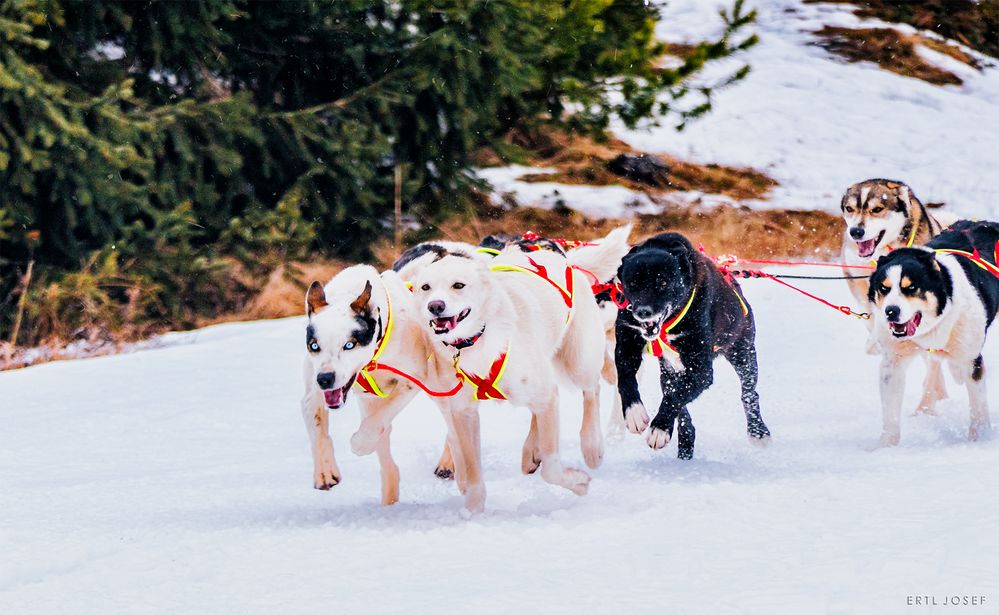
x=314, y=346
x=349, y=345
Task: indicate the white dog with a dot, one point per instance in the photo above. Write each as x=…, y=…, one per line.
x=511, y=328
x=360, y=321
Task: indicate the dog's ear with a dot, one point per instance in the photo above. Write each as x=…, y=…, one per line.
x=315, y=298
x=360, y=305
x=903, y=198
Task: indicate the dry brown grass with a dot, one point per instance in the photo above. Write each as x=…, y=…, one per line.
x=582, y=160
x=972, y=22
x=723, y=229
x=893, y=51
x=284, y=292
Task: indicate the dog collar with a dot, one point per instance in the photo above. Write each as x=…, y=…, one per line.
x=466, y=342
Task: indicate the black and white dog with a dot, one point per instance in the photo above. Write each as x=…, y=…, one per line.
x=684, y=310
x=937, y=300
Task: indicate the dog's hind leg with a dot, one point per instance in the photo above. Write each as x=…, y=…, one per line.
x=390, y=471
x=615, y=423
x=445, y=465
x=685, y=435
x=530, y=458
x=325, y=473
x=590, y=438
x=552, y=470
x=980, y=421
x=743, y=358
x=934, y=387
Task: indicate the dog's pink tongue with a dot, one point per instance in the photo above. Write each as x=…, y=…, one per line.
x=910, y=327
x=866, y=248
x=334, y=397
x=446, y=323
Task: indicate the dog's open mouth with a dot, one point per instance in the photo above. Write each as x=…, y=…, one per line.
x=445, y=324
x=907, y=328
x=651, y=329
x=866, y=248
x=335, y=398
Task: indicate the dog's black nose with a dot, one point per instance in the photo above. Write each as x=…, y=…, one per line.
x=856, y=232
x=892, y=312
x=325, y=380
x=436, y=307
x=643, y=312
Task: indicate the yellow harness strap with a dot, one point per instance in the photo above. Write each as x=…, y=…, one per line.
x=658, y=346
x=364, y=378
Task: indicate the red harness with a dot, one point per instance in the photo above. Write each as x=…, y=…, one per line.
x=488, y=387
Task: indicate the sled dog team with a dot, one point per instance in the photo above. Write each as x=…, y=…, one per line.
x=512, y=318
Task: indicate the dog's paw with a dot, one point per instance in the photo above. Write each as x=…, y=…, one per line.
x=530, y=460
x=576, y=481
x=616, y=430
x=685, y=452
x=636, y=419
x=872, y=347
x=977, y=431
x=889, y=438
x=927, y=410
x=365, y=440
x=759, y=441
x=657, y=438
x=475, y=501
x=326, y=479
x=444, y=472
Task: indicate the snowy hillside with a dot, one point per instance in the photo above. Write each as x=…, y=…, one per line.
x=818, y=124
x=178, y=480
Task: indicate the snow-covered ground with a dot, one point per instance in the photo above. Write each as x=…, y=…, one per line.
x=178, y=480
x=818, y=124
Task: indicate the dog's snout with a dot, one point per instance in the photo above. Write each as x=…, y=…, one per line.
x=856, y=232
x=436, y=307
x=325, y=380
x=643, y=312
x=892, y=313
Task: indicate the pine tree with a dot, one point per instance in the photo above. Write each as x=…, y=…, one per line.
x=154, y=145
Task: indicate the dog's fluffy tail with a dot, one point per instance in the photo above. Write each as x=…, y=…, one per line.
x=604, y=258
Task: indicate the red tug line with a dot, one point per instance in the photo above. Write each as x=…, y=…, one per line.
x=725, y=264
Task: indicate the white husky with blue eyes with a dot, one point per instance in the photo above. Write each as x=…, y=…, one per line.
x=361, y=315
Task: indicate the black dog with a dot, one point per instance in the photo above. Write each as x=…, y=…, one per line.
x=682, y=306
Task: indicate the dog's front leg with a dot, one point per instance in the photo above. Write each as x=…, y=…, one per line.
x=377, y=415
x=552, y=470
x=465, y=421
x=892, y=390
x=325, y=473
x=679, y=389
x=628, y=359
x=980, y=420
